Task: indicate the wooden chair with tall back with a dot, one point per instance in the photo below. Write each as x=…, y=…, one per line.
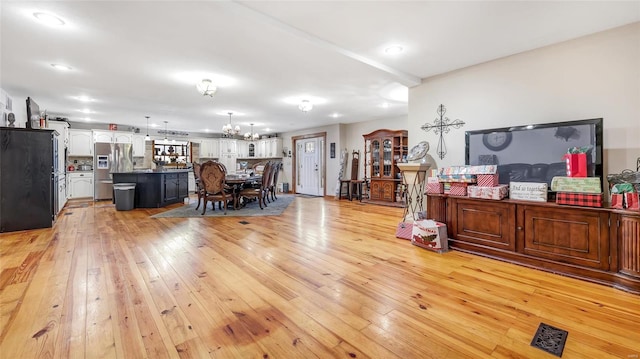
x=267, y=177
x=212, y=178
x=352, y=182
x=256, y=192
x=274, y=183
x=199, y=188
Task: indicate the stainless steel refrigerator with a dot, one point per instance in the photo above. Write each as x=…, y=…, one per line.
x=110, y=158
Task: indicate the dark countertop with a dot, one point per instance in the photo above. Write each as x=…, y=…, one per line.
x=152, y=172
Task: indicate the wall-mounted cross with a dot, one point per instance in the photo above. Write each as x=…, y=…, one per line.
x=441, y=126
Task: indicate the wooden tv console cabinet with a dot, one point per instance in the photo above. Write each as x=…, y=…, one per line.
x=601, y=245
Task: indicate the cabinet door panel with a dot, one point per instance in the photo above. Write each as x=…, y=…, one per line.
x=629, y=239
x=566, y=236
x=485, y=223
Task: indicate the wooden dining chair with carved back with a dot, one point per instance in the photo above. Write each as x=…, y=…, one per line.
x=212, y=176
x=355, y=184
x=267, y=180
x=277, y=166
x=257, y=191
x=199, y=188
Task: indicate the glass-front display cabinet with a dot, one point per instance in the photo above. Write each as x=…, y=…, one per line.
x=383, y=150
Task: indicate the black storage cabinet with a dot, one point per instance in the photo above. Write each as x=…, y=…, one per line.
x=26, y=179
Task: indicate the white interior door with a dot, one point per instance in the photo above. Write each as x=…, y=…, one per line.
x=309, y=166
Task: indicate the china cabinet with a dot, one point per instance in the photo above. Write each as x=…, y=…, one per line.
x=172, y=154
x=383, y=150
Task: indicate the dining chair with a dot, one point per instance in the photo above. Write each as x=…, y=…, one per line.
x=199, y=188
x=352, y=182
x=256, y=192
x=274, y=184
x=267, y=179
x=212, y=176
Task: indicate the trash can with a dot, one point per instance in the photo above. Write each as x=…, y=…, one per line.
x=124, y=194
x=285, y=187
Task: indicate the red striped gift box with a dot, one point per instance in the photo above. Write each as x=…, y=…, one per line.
x=488, y=180
x=579, y=199
x=458, y=189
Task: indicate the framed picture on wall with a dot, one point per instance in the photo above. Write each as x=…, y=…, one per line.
x=332, y=150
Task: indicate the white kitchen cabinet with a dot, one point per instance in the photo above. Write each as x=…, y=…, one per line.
x=80, y=185
x=228, y=146
x=139, y=145
x=273, y=147
x=112, y=137
x=191, y=182
x=62, y=128
x=80, y=143
x=122, y=137
x=62, y=191
x=261, y=149
x=243, y=149
x=229, y=161
x=209, y=148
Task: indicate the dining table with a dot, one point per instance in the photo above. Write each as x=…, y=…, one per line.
x=237, y=182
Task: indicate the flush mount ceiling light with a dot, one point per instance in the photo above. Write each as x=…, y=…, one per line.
x=305, y=106
x=61, y=67
x=393, y=50
x=250, y=135
x=228, y=130
x=206, y=88
x=147, y=137
x=83, y=98
x=48, y=19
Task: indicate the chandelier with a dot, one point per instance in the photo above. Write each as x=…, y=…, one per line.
x=228, y=130
x=250, y=135
x=305, y=106
x=206, y=88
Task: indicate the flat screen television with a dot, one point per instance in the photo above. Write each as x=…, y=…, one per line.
x=534, y=153
x=33, y=114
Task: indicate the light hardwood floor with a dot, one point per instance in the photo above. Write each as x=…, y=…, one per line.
x=327, y=279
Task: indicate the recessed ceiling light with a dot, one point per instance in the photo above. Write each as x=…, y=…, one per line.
x=154, y=125
x=61, y=67
x=335, y=115
x=83, y=98
x=88, y=119
x=384, y=105
x=393, y=50
x=48, y=19
x=267, y=129
x=85, y=110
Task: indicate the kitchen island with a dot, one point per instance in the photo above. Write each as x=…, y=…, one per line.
x=156, y=188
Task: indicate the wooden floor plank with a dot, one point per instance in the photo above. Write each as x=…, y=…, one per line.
x=325, y=279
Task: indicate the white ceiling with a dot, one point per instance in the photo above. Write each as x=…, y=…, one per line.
x=141, y=58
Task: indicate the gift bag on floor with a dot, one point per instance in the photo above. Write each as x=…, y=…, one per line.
x=404, y=230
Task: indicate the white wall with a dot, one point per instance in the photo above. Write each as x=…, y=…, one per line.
x=590, y=77
x=345, y=136
x=18, y=107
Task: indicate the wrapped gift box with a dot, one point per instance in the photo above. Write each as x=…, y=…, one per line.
x=488, y=180
x=576, y=184
x=464, y=178
x=483, y=170
x=447, y=187
x=431, y=235
x=496, y=192
x=468, y=170
x=458, y=189
x=434, y=186
x=579, y=199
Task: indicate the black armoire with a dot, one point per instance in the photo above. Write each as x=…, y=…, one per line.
x=27, y=180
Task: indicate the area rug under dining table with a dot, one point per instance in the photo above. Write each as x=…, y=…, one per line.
x=251, y=209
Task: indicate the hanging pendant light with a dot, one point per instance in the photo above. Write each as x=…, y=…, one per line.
x=147, y=137
x=250, y=135
x=228, y=129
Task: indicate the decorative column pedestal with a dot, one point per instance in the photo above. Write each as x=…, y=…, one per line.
x=413, y=175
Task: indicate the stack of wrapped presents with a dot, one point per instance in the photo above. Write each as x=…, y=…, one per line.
x=576, y=188
x=471, y=181
x=578, y=191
